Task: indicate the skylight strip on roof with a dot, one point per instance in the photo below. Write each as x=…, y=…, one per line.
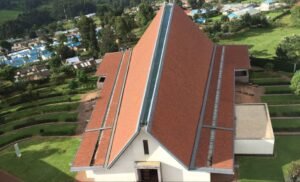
x=160, y=66
x=156, y=61
x=118, y=111
x=203, y=109
x=108, y=106
x=216, y=109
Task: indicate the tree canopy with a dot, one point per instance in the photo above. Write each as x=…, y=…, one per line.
x=288, y=49
x=295, y=13
x=145, y=14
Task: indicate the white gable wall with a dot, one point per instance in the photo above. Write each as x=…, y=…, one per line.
x=124, y=168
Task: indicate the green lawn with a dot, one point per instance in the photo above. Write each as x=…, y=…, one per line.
x=281, y=99
x=263, y=169
x=6, y=15
x=43, y=159
x=263, y=41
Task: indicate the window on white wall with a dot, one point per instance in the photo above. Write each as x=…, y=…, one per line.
x=146, y=147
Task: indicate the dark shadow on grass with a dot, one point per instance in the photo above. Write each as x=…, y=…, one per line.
x=35, y=169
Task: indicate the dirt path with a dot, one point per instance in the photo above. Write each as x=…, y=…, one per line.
x=85, y=109
x=245, y=93
x=6, y=177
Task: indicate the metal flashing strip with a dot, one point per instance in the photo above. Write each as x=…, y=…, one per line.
x=202, y=112
x=97, y=129
x=108, y=107
x=216, y=109
x=156, y=62
x=118, y=111
x=218, y=128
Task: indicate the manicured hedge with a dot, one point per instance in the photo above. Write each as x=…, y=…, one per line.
x=41, y=110
x=270, y=81
x=44, y=130
x=286, y=124
x=278, y=65
x=281, y=99
x=262, y=74
x=284, y=111
x=49, y=117
x=40, y=102
x=278, y=90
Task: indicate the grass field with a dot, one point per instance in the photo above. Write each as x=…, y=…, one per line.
x=43, y=159
x=265, y=169
x=263, y=41
x=6, y=15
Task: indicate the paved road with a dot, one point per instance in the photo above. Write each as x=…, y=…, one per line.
x=5, y=177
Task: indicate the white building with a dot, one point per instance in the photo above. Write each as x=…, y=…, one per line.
x=166, y=108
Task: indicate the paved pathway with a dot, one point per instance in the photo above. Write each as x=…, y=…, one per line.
x=6, y=177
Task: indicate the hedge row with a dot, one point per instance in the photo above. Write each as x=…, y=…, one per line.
x=281, y=99
x=40, y=102
x=270, y=81
x=44, y=130
x=278, y=90
x=41, y=110
x=278, y=65
x=286, y=124
x=284, y=111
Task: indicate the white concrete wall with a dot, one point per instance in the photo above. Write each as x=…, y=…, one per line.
x=257, y=147
x=124, y=168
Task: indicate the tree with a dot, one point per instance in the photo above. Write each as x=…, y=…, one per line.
x=294, y=172
x=295, y=83
x=288, y=50
x=65, y=52
x=295, y=15
x=81, y=76
x=145, y=14
x=73, y=84
x=87, y=29
x=7, y=73
x=58, y=78
x=6, y=45
x=55, y=62
x=107, y=41
x=62, y=38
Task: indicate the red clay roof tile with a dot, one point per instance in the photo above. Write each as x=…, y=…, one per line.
x=182, y=86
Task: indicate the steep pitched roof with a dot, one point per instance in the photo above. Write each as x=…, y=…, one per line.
x=178, y=84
